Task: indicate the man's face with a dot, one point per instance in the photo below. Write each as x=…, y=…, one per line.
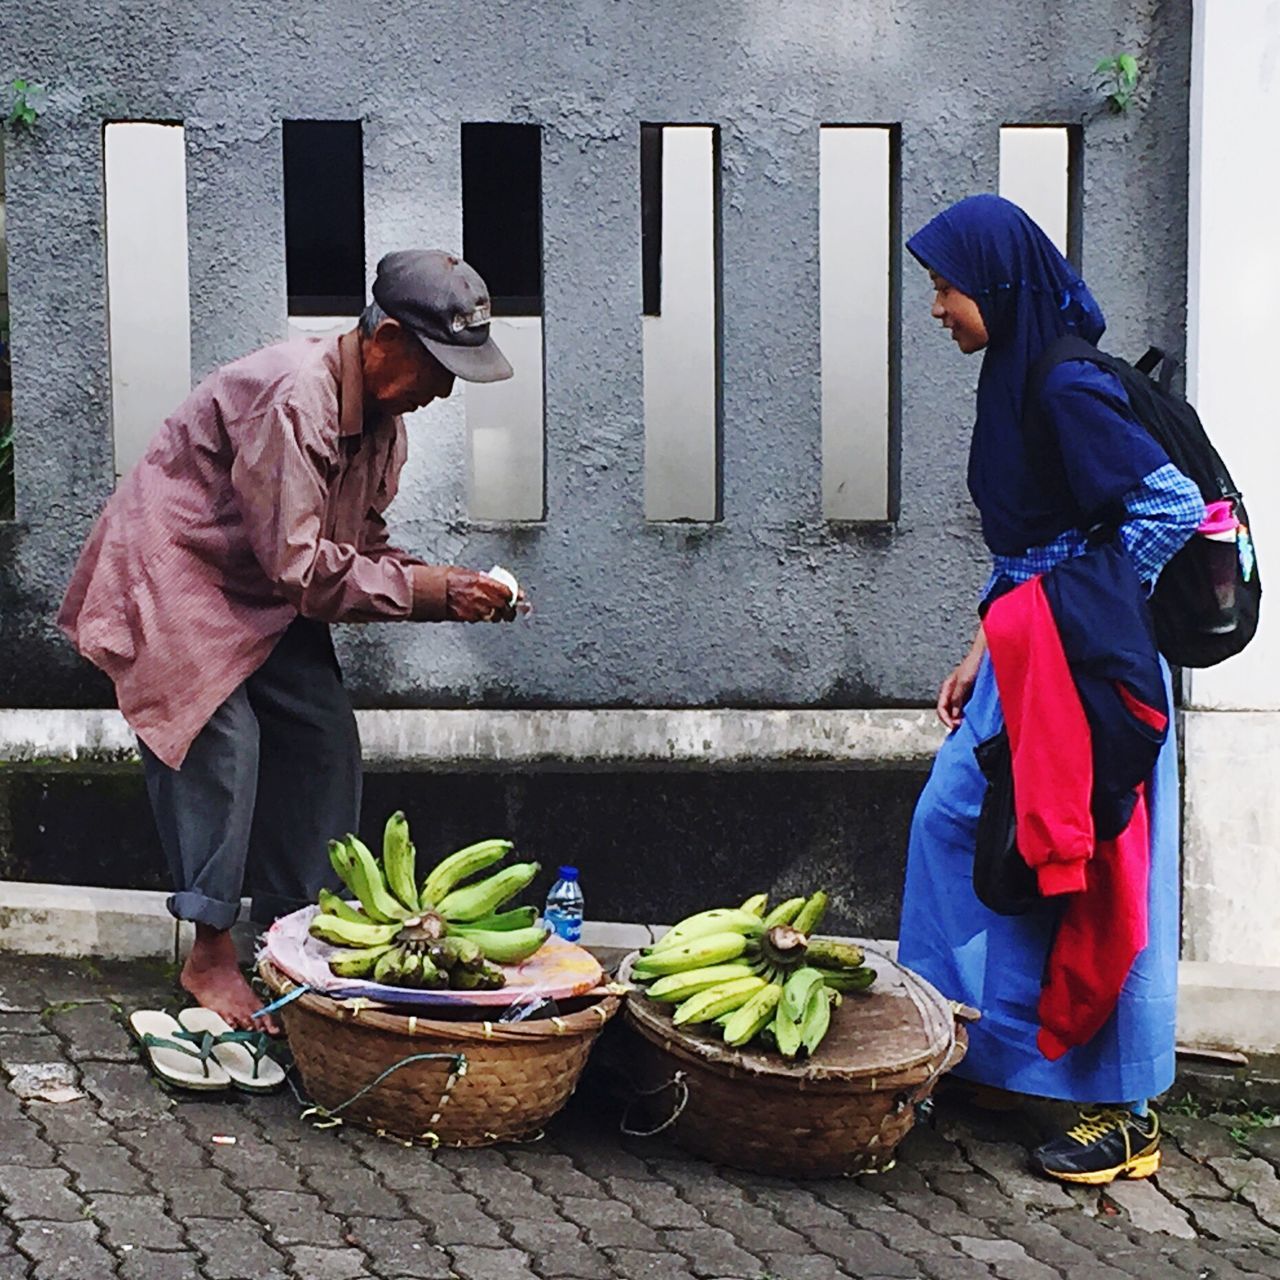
x=400, y=374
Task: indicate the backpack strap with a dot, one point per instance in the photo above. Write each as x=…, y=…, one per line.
x=1071, y=346
x=1043, y=448
x=1152, y=357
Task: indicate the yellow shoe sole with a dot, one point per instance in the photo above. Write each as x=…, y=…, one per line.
x=1142, y=1166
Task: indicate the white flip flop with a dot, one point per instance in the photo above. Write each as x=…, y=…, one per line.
x=177, y=1056
x=242, y=1055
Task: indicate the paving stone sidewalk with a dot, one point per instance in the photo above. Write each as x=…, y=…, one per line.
x=102, y=1174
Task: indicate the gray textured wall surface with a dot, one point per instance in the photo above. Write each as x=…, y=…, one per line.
x=771, y=606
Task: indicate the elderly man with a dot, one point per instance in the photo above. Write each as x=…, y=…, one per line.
x=207, y=587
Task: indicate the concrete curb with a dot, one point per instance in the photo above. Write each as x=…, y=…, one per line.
x=68, y=920
x=48, y=740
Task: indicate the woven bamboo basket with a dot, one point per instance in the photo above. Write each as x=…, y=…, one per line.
x=516, y=1076
x=843, y=1111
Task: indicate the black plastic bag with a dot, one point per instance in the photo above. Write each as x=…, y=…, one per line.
x=1001, y=878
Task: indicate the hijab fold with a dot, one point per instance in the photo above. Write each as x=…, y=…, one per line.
x=1029, y=295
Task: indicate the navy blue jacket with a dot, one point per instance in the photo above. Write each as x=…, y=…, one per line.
x=1104, y=623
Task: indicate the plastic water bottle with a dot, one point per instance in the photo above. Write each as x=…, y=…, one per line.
x=563, y=912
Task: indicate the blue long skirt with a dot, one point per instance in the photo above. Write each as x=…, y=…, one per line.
x=995, y=963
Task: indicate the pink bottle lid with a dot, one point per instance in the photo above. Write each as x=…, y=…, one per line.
x=1220, y=517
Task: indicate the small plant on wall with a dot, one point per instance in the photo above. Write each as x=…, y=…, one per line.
x=1119, y=80
x=26, y=102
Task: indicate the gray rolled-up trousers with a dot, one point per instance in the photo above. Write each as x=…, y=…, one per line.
x=267, y=783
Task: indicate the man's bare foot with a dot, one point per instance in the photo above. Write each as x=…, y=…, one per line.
x=212, y=975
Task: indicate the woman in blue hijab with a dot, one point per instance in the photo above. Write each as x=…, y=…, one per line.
x=1003, y=289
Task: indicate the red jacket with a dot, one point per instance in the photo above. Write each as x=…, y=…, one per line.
x=1104, y=921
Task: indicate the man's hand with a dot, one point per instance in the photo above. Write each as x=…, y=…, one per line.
x=475, y=597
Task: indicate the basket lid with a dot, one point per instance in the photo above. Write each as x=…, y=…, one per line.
x=903, y=1024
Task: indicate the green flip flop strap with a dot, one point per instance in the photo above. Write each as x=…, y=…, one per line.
x=199, y=1045
x=257, y=1042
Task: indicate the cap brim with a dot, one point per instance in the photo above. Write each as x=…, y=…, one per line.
x=484, y=363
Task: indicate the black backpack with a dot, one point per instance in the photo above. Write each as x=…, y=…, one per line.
x=1206, y=601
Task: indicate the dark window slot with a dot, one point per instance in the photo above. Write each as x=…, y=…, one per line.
x=324, y=217
x=651, y=216
x=502, y=213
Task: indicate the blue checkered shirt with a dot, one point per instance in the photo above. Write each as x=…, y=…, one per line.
x=1162, y=512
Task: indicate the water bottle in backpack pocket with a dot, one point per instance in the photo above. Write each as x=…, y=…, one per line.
x=1205, y=605
x=1221, y=532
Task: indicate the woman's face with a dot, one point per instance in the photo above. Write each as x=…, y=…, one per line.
x=959, y=314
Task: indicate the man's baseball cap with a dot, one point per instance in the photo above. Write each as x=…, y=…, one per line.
x=445, y=304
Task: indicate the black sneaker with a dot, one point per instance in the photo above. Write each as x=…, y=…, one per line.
x=1103, y=1145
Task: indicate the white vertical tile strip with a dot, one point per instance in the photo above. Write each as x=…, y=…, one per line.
x=680, y=383
x=505, y=428
x=148, y=305
x=1231, y=809
x=1234, y=258
x=853, y=236
x=1033, y=174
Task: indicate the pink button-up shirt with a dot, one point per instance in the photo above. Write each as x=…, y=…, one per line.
x=260, y=499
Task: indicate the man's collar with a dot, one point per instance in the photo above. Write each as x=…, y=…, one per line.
x=350, y=385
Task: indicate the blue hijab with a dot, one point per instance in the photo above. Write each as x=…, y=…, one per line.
x=1029, y=294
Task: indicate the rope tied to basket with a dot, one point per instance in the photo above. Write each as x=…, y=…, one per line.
x=330, y=1117
x=678, y=1083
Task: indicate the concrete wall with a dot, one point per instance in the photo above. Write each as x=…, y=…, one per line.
x=770, y=606
x=1232, y=827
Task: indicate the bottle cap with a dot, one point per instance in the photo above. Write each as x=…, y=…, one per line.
x=568, y=873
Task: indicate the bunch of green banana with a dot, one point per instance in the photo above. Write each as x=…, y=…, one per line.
x=803, y=1013
x=446, y=932
x=755, y=975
